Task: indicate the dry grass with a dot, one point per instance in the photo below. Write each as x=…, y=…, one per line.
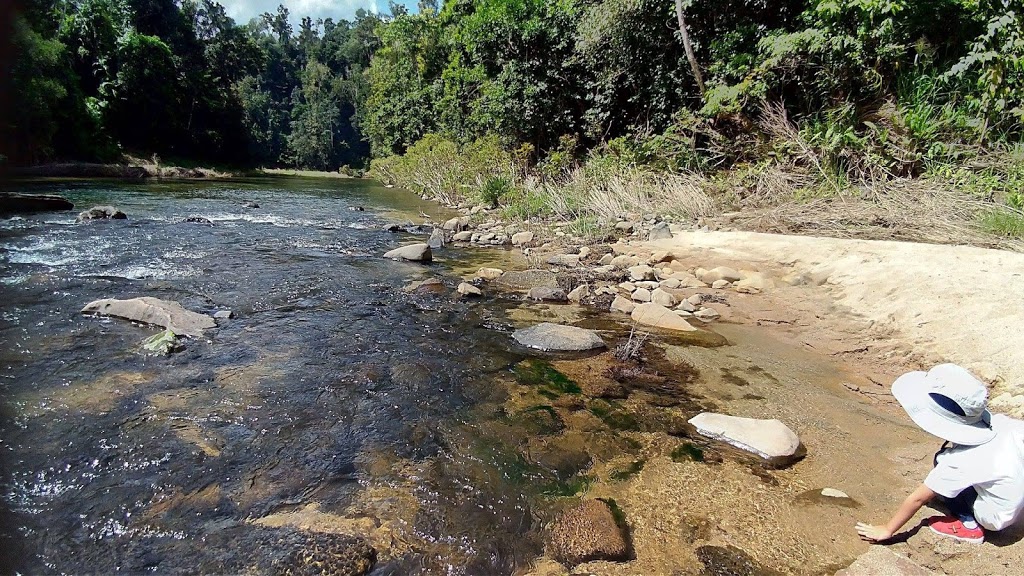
x=915, y=210
x=609, y=195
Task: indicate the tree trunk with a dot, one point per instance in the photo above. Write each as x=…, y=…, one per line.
x=689, y=47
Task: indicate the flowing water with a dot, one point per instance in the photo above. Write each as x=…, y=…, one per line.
x=336, y=400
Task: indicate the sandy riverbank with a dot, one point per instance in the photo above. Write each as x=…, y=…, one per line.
x=911, y=305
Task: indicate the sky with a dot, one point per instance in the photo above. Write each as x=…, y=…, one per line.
x=244, y=10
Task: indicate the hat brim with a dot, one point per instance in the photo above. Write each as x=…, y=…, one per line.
x=911, y=391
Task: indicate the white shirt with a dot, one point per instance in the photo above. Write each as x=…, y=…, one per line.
x=995, y=469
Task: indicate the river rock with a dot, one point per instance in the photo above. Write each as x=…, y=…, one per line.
x=656, y=315
x=707, y=314
x=660, y=231
x=162, y=344
x=464, y=236
x=753, y=283
x=686, y=306
x=489, y=273
x=881, y=561
x=588, y=532
x=641, y=295
x=623, y=305
x=768, y=439
x=558, y=337
x=625, y=226
x=624, y=261
x=164, y=313
x=584, y=251
x=568, y=260
x=606, y=260
x=413, y=252
x=719, y=273
x=467, y=289
x=833, y=493
x=578, y=293
x=641, y=272
x=16, y=203
x=670, y=283
x=547, y=294
x=456, y=224
x=223, y=315
x=696, y=299
x=197, y=220
x=719, y=284
x=101, y=213
x=522, y=238
x=436, y=239
x=659, y=296
x=250, y=204
x=526, y=279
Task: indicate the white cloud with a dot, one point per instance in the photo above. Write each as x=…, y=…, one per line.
x=244, y=10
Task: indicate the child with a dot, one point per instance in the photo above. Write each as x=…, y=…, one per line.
x=979, y=471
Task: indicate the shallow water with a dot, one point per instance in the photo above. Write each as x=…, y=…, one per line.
x=115, y=460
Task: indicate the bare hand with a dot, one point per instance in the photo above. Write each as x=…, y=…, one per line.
x=873, y=533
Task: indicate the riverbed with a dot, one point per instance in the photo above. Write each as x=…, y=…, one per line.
x=342, y=399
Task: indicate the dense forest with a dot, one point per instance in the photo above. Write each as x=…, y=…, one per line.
x=846, y=91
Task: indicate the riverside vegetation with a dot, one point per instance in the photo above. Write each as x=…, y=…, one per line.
x=877, y=118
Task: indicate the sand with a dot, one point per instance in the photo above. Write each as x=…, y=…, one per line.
x=935, y=303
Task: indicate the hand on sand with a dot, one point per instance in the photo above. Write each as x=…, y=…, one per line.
x=873, y=533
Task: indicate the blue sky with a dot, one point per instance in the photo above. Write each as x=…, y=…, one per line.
x=244, y=10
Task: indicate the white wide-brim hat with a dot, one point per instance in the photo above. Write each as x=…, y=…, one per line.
x=948, y=402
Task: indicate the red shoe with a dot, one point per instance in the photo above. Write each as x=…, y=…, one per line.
x=951, y=527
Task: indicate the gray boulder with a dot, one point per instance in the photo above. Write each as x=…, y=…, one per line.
x=547, y=294
x=436, y=239
x=660, y=231
x=101, y=213
x=558, y=337
x=164, y=313
x=412, y=252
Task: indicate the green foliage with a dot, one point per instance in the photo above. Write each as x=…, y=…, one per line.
x=494, y=189
x=1003, y=223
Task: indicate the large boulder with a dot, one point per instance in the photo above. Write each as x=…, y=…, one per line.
x=15, y=203
x=588, y=532
x=558, y=338
x=101, y=213
x=164, y=313
x=412, y=252
x=881, y=561
x=651, y=314
x=770, y=440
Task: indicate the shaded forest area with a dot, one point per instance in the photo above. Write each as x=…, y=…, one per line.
x=842, y=91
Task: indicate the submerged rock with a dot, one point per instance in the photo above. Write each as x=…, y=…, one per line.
x=526, y=279
x=164, y=313
x=588, y=532
x=770, y=440
x=656, y=315
x=413, y=252
x=101, y=213
x=558, y=338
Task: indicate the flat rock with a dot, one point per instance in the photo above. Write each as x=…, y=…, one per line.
x=768, y=439
x=467, y=289
x=623, y=305
x=164, y=313
x=412, y=252
x=547, y=294
x=833, y=493
x=558, y=337
x=526, y=279
x=588, y=532
x=522, y=238
x=719, y=284
x=569, y=260
x=707, y=314
x=14, y=203
x=753, y=283
x=881, y=561
x=624, y=261
x=656, y=315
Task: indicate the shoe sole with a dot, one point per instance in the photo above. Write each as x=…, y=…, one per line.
x=960, y=538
